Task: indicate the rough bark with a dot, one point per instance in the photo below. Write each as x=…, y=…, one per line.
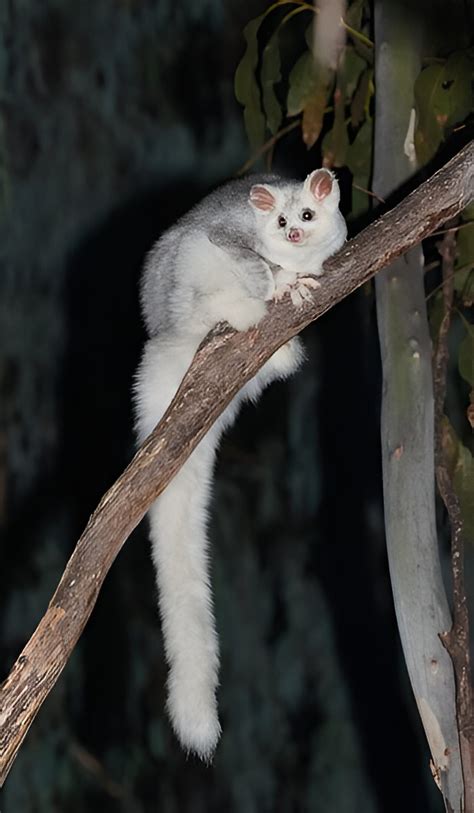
x=407, y=419
x=225, y=361
x=457, y=639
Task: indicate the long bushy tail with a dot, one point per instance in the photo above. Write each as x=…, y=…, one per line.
x=178, y=522
x=178, y=533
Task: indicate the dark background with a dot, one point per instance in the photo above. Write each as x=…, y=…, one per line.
x=116, y=116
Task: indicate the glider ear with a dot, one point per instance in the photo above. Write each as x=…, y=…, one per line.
x=320, y=183
x=262, y=199
x=324, y=188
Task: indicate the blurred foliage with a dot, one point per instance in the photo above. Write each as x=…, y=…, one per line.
x=279, y=78
x=334, y=110
x=443, y=99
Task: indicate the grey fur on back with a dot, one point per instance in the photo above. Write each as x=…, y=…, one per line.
x=227, y=210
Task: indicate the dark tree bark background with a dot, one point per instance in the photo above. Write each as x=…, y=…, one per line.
x=114, y=118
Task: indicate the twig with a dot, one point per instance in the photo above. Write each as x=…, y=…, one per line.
x=95, y=768
x=223, y=364
x=368, y=192
x=454, y=228
x=435, y=264
x=456, y=640
x=267, y=146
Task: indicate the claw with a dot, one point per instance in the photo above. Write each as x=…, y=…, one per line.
x=309, y=282
x=299, y=292
x=296, y=297
x=281, y=291
x=305, y=292
x=302, y=290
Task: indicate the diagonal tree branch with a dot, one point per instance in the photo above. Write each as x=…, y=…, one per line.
x=223, y=363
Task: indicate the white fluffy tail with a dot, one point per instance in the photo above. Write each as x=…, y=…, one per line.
x=180, y=553
x=178, y=521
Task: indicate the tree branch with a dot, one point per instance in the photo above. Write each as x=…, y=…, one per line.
x=223, y=363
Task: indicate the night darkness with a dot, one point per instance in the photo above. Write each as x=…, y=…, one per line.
x=117, y=117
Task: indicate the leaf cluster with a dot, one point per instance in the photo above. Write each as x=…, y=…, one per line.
x=282, y=85
x=332, y=107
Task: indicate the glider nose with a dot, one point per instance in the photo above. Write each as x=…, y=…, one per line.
x=295, y=235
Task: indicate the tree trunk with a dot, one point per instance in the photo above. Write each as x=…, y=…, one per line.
x=407, y=419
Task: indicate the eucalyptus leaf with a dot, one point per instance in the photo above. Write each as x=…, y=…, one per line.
x=336, y=141
x=428, y=131
x=458, y=87
x=449, y=445
x=354, y=14
x=360, y=101
x=464, y=279
x=335, y=144
x=364, y=51
x=436, y=313
x=466, y=357
x=464, y=486
x=246, y=88
x=461, y=470
x=270, y=76
x=309, y=87
x=354, y=67
x=302, y=81
x=464, y=251
x=468, y=212
x=315, y=106
x=464, y=285
x=443, y=98
x=359, y=161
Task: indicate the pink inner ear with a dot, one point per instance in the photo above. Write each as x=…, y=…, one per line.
x=262, y=198
x=320, y=184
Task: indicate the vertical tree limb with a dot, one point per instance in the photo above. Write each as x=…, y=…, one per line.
x=407, y=417
x=456, y=640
